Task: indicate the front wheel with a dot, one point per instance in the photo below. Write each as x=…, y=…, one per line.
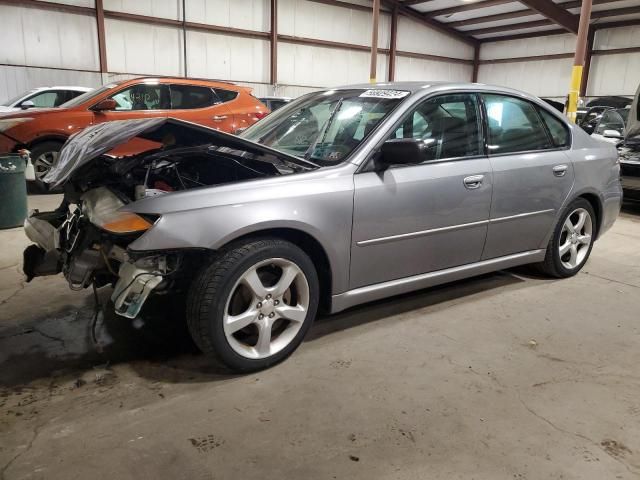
x=252, y=306
x=44, y=156
x=572, y=240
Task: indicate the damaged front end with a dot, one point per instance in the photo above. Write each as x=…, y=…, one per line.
x=87, y=237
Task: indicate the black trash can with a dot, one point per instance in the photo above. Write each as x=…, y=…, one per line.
x=13, y=191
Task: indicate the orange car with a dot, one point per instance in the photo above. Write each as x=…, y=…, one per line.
x=220, y=105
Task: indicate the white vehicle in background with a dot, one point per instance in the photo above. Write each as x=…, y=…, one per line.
x=42, y=97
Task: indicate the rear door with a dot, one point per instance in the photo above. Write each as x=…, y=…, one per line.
x=532, y=175
x=413, y=219
x=201, y=105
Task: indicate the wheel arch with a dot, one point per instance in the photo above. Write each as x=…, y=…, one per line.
x=596, y=204
x=46, y=138
x=310, y=245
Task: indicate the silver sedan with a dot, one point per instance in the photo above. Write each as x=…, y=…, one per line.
x=342, y=197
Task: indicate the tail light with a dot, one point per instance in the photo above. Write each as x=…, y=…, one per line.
x=261, y=115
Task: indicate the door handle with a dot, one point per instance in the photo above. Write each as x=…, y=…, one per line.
x=219, y=118
x=473, y=182
x=560, y=170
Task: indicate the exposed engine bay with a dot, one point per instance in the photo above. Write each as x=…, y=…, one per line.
x=87, y=237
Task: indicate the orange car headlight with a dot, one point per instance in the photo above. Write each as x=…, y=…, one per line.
x=101, y=206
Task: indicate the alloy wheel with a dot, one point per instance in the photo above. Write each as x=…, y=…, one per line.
x=266, y=308
x=575, y=238
x=43, y=163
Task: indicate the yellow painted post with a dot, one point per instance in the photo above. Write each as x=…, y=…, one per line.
x=578, y=60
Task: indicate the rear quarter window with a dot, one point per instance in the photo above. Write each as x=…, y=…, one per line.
x=558, y=130
x=225, y=96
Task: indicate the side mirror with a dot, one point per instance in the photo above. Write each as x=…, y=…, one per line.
x=398, y=151
x=588, y=127
x=27, y=104
x=611, y=134
x=105, y=105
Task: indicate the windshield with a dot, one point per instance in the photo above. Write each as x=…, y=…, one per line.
x=325, y=127
x=79, y=100
x=12, y=101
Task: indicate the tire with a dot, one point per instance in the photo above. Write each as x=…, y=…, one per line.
x=560, y=265
x=223, y=297
x=41, y=154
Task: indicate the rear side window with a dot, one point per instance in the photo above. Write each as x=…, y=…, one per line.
x=514, y=125
x=186, y=97
x=225, y=95
x=559, y=132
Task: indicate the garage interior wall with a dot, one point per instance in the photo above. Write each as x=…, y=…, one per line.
x=43, y=46
x=512, y=63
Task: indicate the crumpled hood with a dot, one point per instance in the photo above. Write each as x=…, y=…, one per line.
x=92, y=142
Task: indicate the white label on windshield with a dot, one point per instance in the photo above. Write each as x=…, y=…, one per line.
x=384, y=94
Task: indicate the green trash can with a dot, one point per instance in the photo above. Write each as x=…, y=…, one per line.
x=13, y=191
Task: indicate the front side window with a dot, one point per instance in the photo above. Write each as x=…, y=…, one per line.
x=325, y=127
x=143, y=97
x=448, y=125
x=52, y=98
x=558, y=130
x=514, y=125
x=185, y=97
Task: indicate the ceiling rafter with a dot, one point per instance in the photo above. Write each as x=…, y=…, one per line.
x=542, y=23
x=555, y=13
x=441, y=27
x=465, y=8
x=520, y=13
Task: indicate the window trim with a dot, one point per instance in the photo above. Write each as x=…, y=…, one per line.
x=367, y=164
x=544, y=126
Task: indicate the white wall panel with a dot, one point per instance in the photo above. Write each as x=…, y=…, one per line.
x=614, y=74
x=415, y=37
x=213, y=55
x=80, y=3
x=141, y=48
x=293, y=91
x=15, y=80
x=610, y=38
x=418, y=69
x=322, y=66
x=246, y=14
x=152, y=8
x=545, y=78
x=302, y=18
x=44, y=38
x=552, y=44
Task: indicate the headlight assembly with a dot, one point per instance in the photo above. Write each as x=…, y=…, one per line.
x=12, y=122
x=101, y=206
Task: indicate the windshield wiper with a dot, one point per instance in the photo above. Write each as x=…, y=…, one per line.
x=322, y=132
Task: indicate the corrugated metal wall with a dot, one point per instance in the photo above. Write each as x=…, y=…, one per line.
x=43, y=47
x=615, y=74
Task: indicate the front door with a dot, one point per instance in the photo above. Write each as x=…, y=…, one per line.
x=413, y=219
x=532, y=175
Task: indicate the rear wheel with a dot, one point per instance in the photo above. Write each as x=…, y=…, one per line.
x=44, y=156
x=252, y=307
x=572, y=240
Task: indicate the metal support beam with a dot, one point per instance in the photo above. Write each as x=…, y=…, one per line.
x=374, y=42
x=102, y=43
x=393, y=43
x=184, y=37
x=476, y=63
x=587, y=62
x=578, y=60
x=273, y=76
x=554, y=13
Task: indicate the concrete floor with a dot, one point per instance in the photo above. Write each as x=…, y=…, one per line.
x=506, y=376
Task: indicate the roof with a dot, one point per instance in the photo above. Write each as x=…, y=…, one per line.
x=490, y=20
x=65, y=87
